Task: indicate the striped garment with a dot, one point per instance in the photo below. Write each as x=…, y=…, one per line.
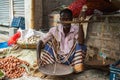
x=75, y=56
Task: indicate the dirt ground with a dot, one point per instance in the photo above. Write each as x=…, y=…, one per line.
x=29, y=55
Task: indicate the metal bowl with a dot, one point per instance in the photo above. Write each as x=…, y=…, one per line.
x=56, y=69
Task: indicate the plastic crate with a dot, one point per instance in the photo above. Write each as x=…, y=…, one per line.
x=114, y=71
x=18, y=22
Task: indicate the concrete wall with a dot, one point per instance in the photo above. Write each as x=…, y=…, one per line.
x=38, y=14
x=33, y=14
x=27, y=13
x=42, y=10
x=104, y=36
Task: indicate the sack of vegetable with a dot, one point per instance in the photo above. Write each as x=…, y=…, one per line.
x=29, y=43
x=29, y=39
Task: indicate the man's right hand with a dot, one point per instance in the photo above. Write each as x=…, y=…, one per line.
x=39, y=47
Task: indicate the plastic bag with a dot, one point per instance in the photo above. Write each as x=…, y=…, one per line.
x=14, y=38
x=76, y=7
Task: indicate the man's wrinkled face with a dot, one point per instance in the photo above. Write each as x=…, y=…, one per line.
x=65, y=17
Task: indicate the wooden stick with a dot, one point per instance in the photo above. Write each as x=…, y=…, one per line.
x=73, y=21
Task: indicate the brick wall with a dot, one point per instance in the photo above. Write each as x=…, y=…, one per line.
x=104, y=36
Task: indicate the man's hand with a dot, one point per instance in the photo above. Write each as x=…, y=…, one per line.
x=81, y=34
x=39, y=47
x=82, y=15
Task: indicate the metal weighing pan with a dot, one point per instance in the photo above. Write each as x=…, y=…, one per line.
x=56, y=69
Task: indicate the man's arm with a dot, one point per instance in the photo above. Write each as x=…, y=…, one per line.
x=41, y=44
x=81, y=34
x=82, y=17
x=39, y=47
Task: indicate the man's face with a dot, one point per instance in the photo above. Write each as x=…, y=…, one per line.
x=65, y=17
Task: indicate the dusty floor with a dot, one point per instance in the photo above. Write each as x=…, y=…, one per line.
x=30, y=56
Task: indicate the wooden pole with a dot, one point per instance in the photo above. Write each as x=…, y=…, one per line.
x=74, y=21
x=32, y=23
